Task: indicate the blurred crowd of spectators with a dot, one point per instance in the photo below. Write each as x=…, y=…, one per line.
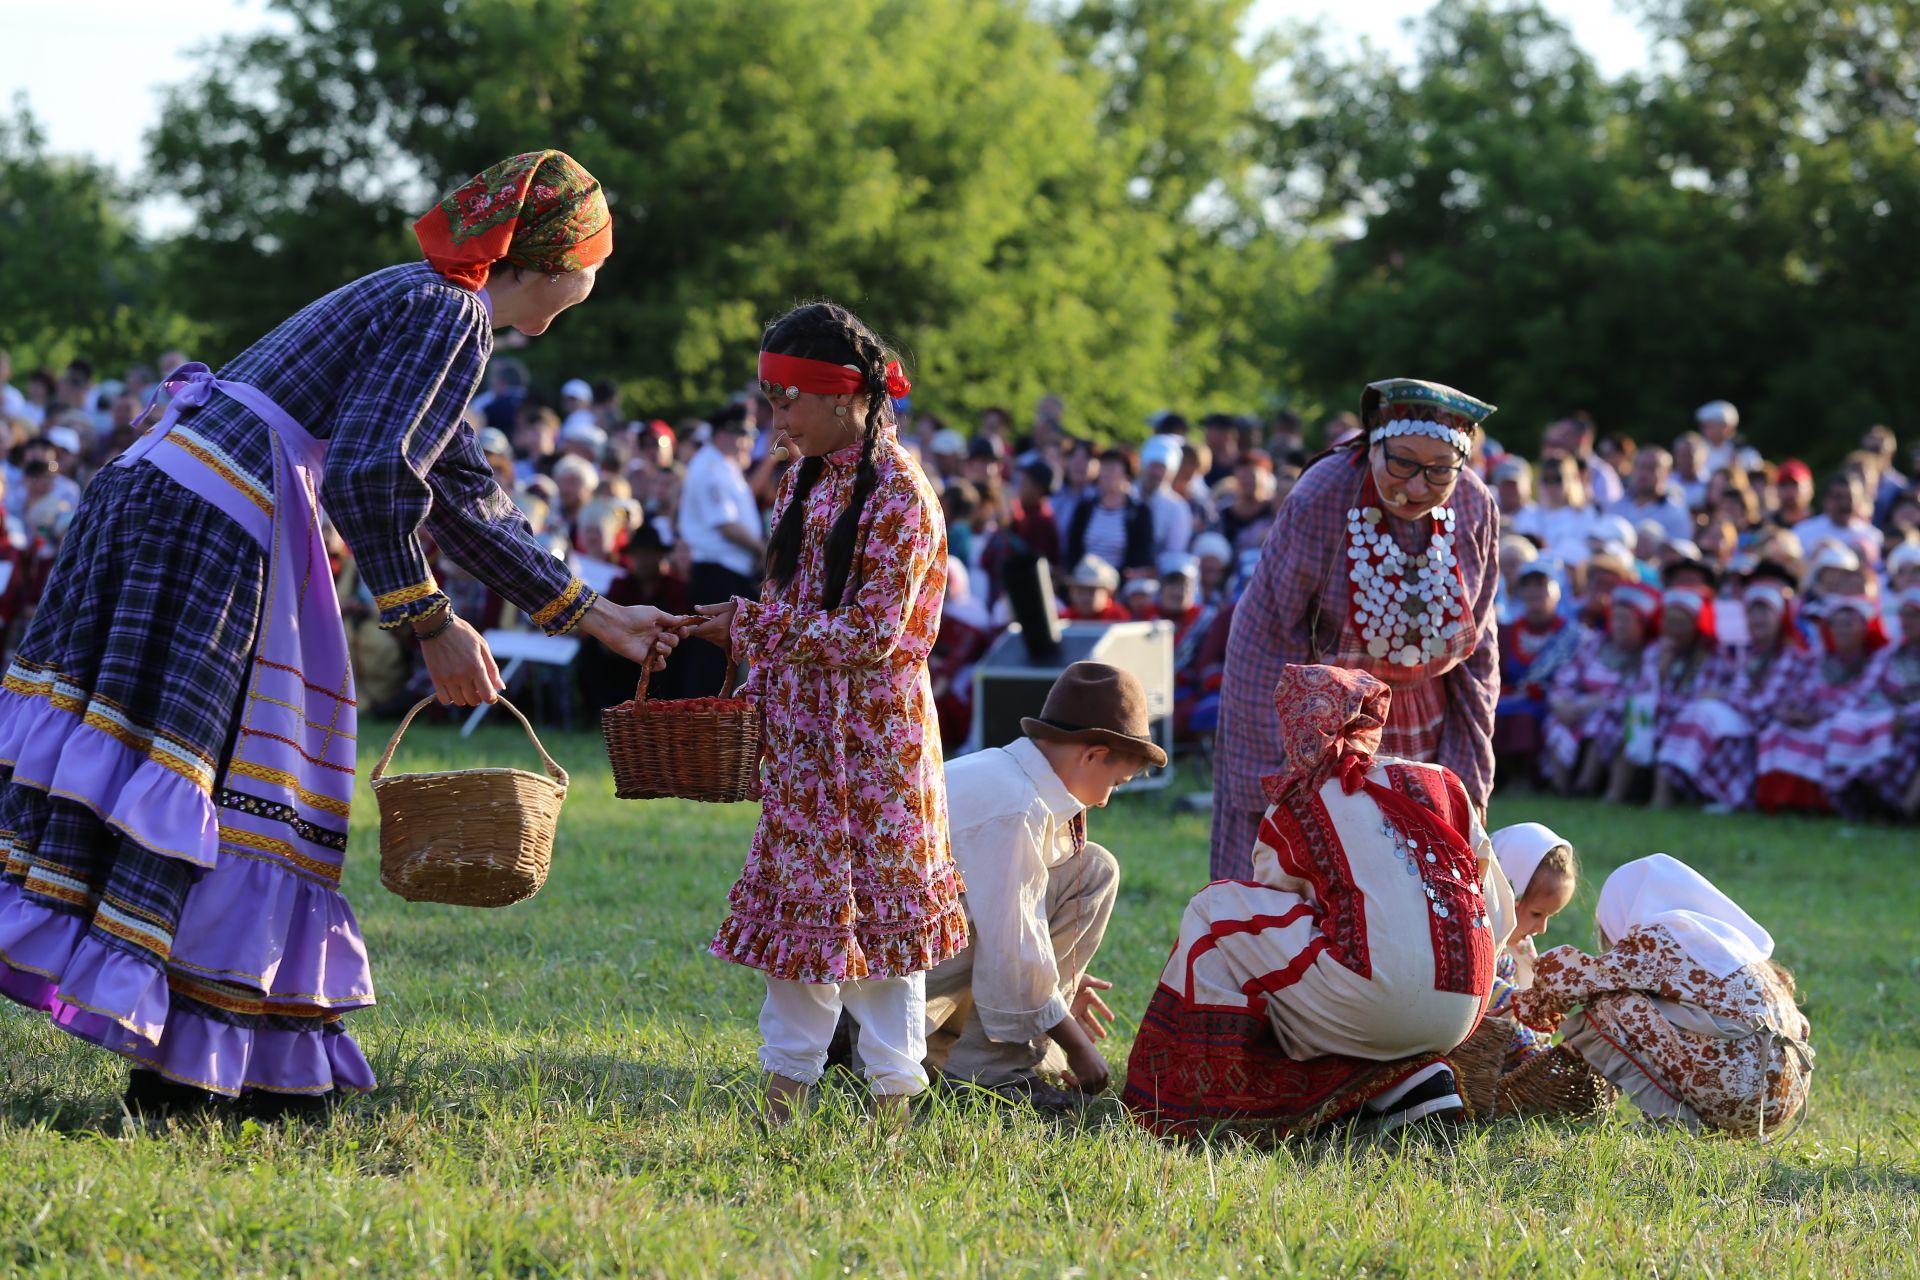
x=1608, y=539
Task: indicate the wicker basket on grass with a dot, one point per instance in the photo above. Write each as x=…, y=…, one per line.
x=1476, y=1063
x=1555, y=1083
x=688, y=748
x=467, y=837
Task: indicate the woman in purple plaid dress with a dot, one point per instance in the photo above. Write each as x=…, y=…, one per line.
x=177, y=730
x=1382, y=560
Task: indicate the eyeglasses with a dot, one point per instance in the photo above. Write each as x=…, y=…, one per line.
x=777, y=393
x=1401, y=467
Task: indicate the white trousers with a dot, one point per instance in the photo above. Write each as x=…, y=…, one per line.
x=798, y=1018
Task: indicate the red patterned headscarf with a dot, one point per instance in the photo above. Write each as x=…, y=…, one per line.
x=1328, y=715
x=539, y=210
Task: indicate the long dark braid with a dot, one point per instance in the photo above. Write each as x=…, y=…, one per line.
x=826, y=331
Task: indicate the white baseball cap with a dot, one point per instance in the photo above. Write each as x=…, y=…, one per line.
x=64, y=438
x=577, y=389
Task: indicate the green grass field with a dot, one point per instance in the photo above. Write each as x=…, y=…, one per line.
x=567, y=1089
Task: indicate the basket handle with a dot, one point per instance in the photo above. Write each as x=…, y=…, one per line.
x=646, y=674
x=554, y=771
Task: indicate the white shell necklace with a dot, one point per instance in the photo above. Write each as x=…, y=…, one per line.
x=1407, y=609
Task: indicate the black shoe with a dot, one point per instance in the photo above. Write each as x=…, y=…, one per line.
x=152, y=1097
x=267, y=1107
x=1436, y=1095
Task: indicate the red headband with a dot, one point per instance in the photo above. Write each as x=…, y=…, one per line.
x=823, y=377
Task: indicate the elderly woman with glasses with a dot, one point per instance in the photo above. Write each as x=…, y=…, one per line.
x=1383, y=559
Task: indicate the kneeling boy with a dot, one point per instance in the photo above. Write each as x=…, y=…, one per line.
x=1018, y=1003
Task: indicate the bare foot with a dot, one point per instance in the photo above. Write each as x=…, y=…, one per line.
x=892, y=1112
x=785, y=1099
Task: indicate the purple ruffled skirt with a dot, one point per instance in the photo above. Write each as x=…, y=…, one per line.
x=220, y=955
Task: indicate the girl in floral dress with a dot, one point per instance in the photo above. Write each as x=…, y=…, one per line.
x=1684, y=1008
x=1707, y=751
x=1588, y=696
x=1873, y=752
x=1793, y=752
x=849, y=894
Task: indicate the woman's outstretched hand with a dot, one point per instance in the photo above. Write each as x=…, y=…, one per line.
x=639, y=633
x=715, y=624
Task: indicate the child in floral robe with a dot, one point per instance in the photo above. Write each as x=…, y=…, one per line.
x=1684, y=1010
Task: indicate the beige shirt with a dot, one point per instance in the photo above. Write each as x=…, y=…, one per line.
x=1010, y=819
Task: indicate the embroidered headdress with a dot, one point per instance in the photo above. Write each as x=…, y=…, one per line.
x=1409, y=407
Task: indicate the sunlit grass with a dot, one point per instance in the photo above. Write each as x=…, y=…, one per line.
x=568, y=1085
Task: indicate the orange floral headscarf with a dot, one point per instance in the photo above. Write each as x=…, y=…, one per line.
x=539, y=210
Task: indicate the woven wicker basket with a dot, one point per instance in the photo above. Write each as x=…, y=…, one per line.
x=704, y=749
x=1555, y=1083
x=1476, y=1062
x=467, y=837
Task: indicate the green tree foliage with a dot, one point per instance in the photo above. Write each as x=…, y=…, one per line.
x=1182, y=98
x=75, y=278
x=1744, y=225
x=946, y=167
x=1803, y=122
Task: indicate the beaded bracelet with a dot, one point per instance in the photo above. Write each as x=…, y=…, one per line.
x=446, y=620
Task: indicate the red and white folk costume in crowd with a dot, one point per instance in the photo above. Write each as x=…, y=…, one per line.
x=1708, y=747
x=1360, y=952
x=1598, y=679
x=1795, y=761
x=1683, y=1011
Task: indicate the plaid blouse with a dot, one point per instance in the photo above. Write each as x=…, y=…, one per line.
x=382, y=370
x=1302, y=581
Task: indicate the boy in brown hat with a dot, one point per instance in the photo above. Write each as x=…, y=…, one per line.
x=1018, y=1003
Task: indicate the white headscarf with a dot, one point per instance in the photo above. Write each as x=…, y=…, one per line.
x=1662, y=890
x=1521, y=849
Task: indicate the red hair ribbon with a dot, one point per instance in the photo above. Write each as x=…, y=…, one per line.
x=821, y=377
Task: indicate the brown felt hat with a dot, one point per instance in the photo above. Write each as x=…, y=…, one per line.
x=1104, y=706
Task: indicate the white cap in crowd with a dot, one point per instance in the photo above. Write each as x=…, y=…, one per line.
x=1092, y=571
x=577, y=389
x=1164, y=450
x=580, y=428
x=1832, y=555
x=1614, y=529
x=1142, y=587
x=1178, y=564
x=1214, y=545
x=494, y=442
x=948, y=443
x=65, y=438
x=1903, y=557
x=1717, y=411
